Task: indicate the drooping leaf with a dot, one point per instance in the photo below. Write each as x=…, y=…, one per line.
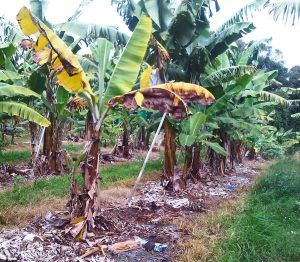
x=244, y=14
x=159, y=12
x=90, y=32
x=155, y=98
x=220, y=41
x=82, y=5
x=16, y=109
x=128, y=66
x=268, y=96
x=70, y=73
x=190, y=92
x=224, y=75
x=88, y=65
x=216, y=147
x=6, y=75
x=250, y=50
x=39, y=7
x=14, y=90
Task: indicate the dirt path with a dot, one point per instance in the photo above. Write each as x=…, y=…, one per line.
x=150, y=220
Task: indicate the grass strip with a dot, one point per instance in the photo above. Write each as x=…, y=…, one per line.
x=267, y=228
x=14, y=156
x=23, y=195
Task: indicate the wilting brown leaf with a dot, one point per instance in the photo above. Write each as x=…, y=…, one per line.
x=155, y=98
x=162, y=52
x=190, y=92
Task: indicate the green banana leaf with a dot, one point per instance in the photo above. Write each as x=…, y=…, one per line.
x=127, y=69
x=6, y=75
x=17, y=109
x=216, y=147
x=85, y=31
x=14, y=90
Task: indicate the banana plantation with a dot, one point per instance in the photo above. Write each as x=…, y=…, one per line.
x=125, y=146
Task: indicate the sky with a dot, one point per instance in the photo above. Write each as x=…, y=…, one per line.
x=284, y=37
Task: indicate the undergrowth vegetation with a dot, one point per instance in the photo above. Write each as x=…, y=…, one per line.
x=262, y=224
x=268, y=227
x=15, y=156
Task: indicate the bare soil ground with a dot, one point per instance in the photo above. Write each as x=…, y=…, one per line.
x=149, y=222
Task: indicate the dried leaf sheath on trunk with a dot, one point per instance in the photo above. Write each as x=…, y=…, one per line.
x=169, y=156
x=85, y=200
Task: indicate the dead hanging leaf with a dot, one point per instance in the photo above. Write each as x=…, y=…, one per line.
x=76, y=103
x=162, y=52
x=70, y=73
x=155, y=98
x=190, y=92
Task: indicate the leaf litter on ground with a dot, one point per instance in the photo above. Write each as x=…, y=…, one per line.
x=148, y=219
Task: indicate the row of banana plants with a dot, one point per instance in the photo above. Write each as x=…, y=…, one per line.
x=157, y=72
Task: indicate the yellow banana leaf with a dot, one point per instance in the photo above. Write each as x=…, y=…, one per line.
x=145, y=77
x=42, y=57
x=70, y=73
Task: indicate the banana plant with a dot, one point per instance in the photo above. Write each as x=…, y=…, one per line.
x=168, y=98
x=49, y=48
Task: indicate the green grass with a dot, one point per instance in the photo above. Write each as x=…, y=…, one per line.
x=18, y=156
x=59, y=186
x=73, y=147
x=14, y=156
x=268, y=227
